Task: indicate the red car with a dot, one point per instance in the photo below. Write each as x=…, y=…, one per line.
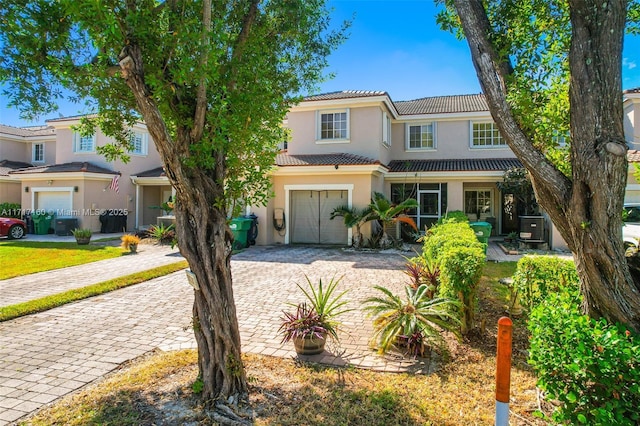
x=12, y=228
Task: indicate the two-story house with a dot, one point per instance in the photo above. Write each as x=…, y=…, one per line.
x=54, y=168
x=446, y=152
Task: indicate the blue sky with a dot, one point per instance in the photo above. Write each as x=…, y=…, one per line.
x=394, y=46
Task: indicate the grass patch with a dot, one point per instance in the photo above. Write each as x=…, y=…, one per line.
x=28, y=257
x=55, y=300
x=157, y=390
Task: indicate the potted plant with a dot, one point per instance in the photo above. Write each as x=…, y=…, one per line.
x=130, y=242
x=416, y=322
x=83, y=236
x=511, y=237
x=315, y=319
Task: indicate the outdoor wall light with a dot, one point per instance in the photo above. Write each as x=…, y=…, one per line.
x=75, y=189
x=26, y=189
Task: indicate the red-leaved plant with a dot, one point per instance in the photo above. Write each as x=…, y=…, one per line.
x=304, y=322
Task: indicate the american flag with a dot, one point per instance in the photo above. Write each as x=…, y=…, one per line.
x=114, y=183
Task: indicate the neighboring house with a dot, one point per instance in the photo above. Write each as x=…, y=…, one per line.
x=54, y=168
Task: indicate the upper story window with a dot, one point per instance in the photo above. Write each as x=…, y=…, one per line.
x=83, y=143
x=486, y=135
x=138, y=143
x=333, y=125
x=386, y=129
x=421, y=136
x=37, y=153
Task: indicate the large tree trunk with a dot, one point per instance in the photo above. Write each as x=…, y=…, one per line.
x=204, y=240
x=586, y=209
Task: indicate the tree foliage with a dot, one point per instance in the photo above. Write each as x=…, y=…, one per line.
x=212, y=80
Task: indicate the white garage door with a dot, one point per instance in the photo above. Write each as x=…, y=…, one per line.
x=58, y=201
x=310, y=213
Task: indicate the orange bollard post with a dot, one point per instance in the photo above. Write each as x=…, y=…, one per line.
x=503, y=371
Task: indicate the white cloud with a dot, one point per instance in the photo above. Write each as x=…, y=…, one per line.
x=629, y=64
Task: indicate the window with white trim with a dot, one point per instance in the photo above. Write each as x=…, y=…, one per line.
x=138, y=143
x=478, y=203
x=421, y=136
x=333, y=125
x=486, y=134
x=37, y=153
x=83, y=143
x=386, y=129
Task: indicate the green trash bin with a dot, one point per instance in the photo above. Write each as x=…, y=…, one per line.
x=42, y=223
x=482, y=231
x=240, y=227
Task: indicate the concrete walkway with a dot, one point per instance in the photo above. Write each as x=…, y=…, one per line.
x=47, y=355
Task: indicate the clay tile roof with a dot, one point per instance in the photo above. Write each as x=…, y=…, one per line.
x=345, y=94
x=284, y=159
x=27, y=131
x=633, y=156
x=157, y=172
x=76, y=166
x=455, y=165
x=443, y=104
x=7, y=166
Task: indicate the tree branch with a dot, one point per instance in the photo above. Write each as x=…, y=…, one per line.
x=201, y=96
x=241, y=41
x=493, y=72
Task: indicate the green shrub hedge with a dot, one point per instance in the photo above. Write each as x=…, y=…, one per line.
x=537, y=277
x=591, y=367
x=10, y=210
x=454, y=247
x=455, y=216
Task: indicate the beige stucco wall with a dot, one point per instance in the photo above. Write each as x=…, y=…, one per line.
x=365, y=127
x=631, y=132
x=14, y=151
x=363, y=186
x=137, y=163
x=10, y=192
x=453, y=140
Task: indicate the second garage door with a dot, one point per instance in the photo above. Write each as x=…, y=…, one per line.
x=57, y=201
x=310, y=213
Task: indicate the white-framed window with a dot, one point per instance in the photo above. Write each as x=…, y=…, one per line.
x=332, y=125
x=386, y=129
x=37, y=153
x=486, y=134
x=83, y=143
x=478, y=203
x=139, y=142
x=421, y=136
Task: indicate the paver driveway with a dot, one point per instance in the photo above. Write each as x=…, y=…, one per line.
x=47, y=355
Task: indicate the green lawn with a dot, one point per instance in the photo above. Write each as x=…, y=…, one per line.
x=22, y=258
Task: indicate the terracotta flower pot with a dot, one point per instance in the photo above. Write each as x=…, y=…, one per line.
x=309, y=345
x=83, y=241
x=133, y=248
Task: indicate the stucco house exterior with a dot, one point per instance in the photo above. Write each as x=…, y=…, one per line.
x=444, y=151
x=53, y=168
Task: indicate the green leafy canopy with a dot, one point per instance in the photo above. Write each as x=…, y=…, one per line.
x=50, y=47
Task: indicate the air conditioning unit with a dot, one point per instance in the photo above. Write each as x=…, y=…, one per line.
x=64, y=225
x=532, y=228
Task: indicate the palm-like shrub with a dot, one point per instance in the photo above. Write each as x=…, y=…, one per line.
x=353, y=218
x=387, y=213
x=418, y=319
